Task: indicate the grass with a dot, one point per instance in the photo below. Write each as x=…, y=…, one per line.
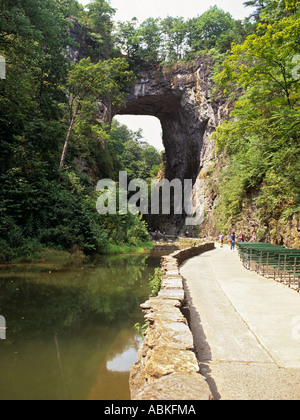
x=129, y=249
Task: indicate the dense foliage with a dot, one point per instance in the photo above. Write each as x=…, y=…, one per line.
x=172, y=39
x=260, y=147
x=55, y=147
x=43, y=203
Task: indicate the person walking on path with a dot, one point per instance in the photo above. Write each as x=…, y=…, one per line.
x=232, y=241
x=222, y=240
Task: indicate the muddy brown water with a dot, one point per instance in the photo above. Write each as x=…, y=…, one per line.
x=70, y=332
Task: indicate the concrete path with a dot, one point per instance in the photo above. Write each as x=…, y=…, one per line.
x=246, y=329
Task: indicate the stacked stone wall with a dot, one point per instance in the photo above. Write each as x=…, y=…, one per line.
x=167, y=367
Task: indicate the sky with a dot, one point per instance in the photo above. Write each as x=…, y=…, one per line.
x=141, y=9
x=127, y=9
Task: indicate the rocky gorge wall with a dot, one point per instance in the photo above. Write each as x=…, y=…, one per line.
x=167, y=367
x=180, y=96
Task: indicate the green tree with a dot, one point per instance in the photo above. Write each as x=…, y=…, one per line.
x=128, y=40
x=208, y=29
x=150, y=35
x=88, y=82
x=174, y=32
x=264, y=62
x=269, y=11
x=260, y=145
x=100, y=24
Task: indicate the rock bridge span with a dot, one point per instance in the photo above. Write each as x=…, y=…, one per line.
x=180, y=97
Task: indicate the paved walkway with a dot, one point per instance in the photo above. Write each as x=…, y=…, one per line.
x=246, y=329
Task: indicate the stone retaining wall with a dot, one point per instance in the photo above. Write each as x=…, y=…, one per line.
x=167, y=367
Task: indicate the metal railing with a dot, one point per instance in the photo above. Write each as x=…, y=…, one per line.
x=272, y=261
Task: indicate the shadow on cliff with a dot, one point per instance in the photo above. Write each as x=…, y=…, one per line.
x=202, y=348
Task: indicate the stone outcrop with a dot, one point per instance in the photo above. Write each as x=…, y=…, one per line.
x=84, y=44
x=284, y=232
x=180, y=97
x=167, y=367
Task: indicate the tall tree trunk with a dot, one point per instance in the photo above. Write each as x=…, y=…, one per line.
x=64, y=153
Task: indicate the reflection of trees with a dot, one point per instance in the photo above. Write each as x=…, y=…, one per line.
x=75, y=320
x=36, y=301
x=113, y=292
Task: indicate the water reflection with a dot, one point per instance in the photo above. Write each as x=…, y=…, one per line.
x=70, y=330
x=122, y=362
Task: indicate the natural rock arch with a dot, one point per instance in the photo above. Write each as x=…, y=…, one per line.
x=180, y=97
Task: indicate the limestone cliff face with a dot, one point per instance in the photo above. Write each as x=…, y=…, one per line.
x=180, y=97
x=84, y=45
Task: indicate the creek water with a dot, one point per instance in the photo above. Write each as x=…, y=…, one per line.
x=70, y=332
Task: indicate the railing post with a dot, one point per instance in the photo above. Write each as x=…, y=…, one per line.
x=260, y=261
x=284, y=268
x=278, y=269
x=295, y=264
x=268, y=254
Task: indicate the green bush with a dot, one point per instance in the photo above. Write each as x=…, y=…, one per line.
x=155, y=282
